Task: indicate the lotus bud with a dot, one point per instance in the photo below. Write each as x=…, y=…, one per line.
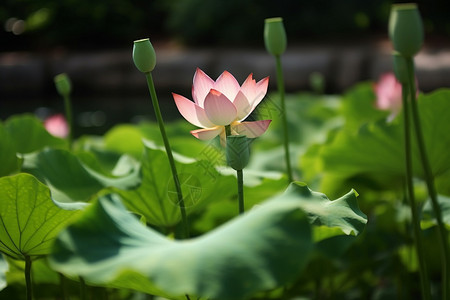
x=144, y=55
x=406, y=29
x=275, y=36
x=63, y=85
x=400, y=68
x=237, y=151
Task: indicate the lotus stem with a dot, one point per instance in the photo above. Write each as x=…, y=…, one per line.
x=176, y=180
x=429, y=179
x=69, y=118
x=28, y=281
x=63, y=286
x=240, y=184
x=83, y=292
x=280, y=83
x=425, y=285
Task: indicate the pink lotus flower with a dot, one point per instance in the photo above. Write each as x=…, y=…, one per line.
x=57, y=125
x=389, y=93
x=223, y=102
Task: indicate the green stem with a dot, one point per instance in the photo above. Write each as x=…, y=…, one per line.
x=280, y=83
x=240, y=184
x=410, y=189
x=83, y=292
x=63, y=286
x=429, y=179
x=69, y=118
x=159, y=118
x=227, y=130
x=28, y=282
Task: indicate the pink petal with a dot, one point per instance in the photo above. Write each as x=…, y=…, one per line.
x=201, y=86
x=243, y=106
x=254, y=92
x=208, y=133
x=227, y=85
x=57, y=126
x=252, y=129
x=389, y=93
x=219, y=108
x=193, y=113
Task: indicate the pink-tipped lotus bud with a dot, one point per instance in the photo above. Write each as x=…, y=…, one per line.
x=275, y=36
x=144, y=55
x=406, y=29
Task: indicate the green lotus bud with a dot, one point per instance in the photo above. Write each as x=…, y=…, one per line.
x=63, y=85
x=237, y=151
x=144, y=55
x=275, y=36
x=400, y=67
x=406, y=29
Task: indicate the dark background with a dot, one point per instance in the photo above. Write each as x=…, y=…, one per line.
x=100, y=24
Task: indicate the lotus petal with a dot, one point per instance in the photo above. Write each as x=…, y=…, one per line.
x=193, y=113
x=219, y=109
x=252, y=129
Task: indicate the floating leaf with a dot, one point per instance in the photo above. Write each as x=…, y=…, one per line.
x=265, y=248
x=260, y=250
x=29, y=219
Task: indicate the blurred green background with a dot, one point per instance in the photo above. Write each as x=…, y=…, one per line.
x=87, y=24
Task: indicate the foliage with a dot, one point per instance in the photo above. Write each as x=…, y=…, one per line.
x=104, y=209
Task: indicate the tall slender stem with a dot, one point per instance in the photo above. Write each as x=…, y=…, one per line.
x=63, y=286
x=159, y=118
x=429, y=179
x=280, y=83
x=240, y=183
x=28, y=281
x=410, y=190
x=83, y=292
x=69, y=117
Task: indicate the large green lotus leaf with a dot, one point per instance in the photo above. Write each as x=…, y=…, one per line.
x=358, y=106
x=156, y=198
x=260, y=250
x=377, y=148
x=4, y=267
x=73, y=181
x=330, y=218
x=29, y=134
x=8, y=159
x=30, y=220
x=125, y=138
